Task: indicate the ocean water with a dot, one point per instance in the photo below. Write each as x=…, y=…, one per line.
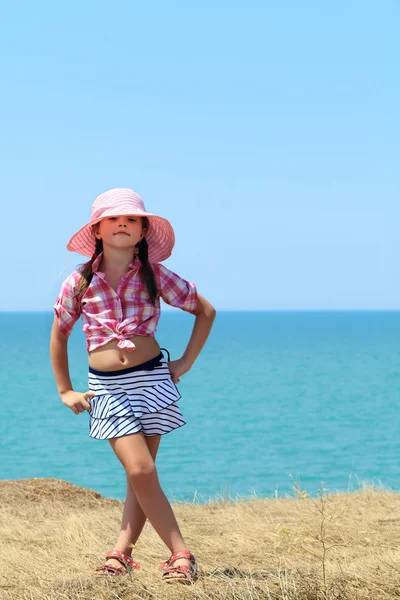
x=274, y=398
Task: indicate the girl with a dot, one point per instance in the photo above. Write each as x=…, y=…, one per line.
x=132, y=397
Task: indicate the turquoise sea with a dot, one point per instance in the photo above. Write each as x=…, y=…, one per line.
x=274, y=397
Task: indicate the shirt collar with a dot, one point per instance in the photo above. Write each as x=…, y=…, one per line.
x=134, y=265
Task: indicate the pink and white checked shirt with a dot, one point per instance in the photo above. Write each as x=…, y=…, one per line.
x=109, y=315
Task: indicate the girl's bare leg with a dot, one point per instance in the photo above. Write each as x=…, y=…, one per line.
x=133, y=518
x=135, y=456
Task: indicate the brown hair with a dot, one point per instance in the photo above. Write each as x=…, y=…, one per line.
x=86, y=270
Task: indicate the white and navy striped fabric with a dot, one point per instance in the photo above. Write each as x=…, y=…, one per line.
x=139, y=399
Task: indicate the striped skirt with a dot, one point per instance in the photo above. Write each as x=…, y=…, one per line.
x=139, y=399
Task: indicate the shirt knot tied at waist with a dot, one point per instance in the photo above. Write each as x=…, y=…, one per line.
x=123, y=342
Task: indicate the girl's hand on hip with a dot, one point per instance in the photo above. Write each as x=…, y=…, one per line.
x=177, y=368
x=77, y=401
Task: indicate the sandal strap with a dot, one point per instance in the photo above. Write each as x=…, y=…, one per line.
x=180, y=569
x=111, y=569
x=181, y=573
x=181, y=554
x=124, y=559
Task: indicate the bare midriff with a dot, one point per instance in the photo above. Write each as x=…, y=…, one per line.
x=111, y=358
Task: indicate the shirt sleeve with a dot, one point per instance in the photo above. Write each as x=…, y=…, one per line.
x=67, y=306
x=176, y=291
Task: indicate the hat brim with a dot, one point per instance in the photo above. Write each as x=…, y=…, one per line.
x=160, y=236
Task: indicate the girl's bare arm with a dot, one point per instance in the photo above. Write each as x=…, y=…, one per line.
x=76, y=401
x=59, y=358
x=205, y=315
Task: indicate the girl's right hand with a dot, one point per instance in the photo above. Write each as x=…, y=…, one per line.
x=77, y=401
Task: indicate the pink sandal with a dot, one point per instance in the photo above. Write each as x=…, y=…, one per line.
x=189, y=572
x=127, y=564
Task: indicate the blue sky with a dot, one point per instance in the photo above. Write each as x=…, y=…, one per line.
x=268, y=133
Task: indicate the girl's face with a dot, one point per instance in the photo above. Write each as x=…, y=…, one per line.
x=120, y=232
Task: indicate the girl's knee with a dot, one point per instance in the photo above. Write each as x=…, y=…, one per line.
x=141, y=472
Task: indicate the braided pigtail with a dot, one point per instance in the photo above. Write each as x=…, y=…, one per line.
x=86, y=270
x=148, y=273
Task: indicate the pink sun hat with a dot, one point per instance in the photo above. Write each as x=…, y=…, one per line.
x=123, y=201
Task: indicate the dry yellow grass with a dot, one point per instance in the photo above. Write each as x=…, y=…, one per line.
x=343, y=546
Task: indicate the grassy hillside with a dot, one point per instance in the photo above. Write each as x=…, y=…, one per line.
x=343, y=546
